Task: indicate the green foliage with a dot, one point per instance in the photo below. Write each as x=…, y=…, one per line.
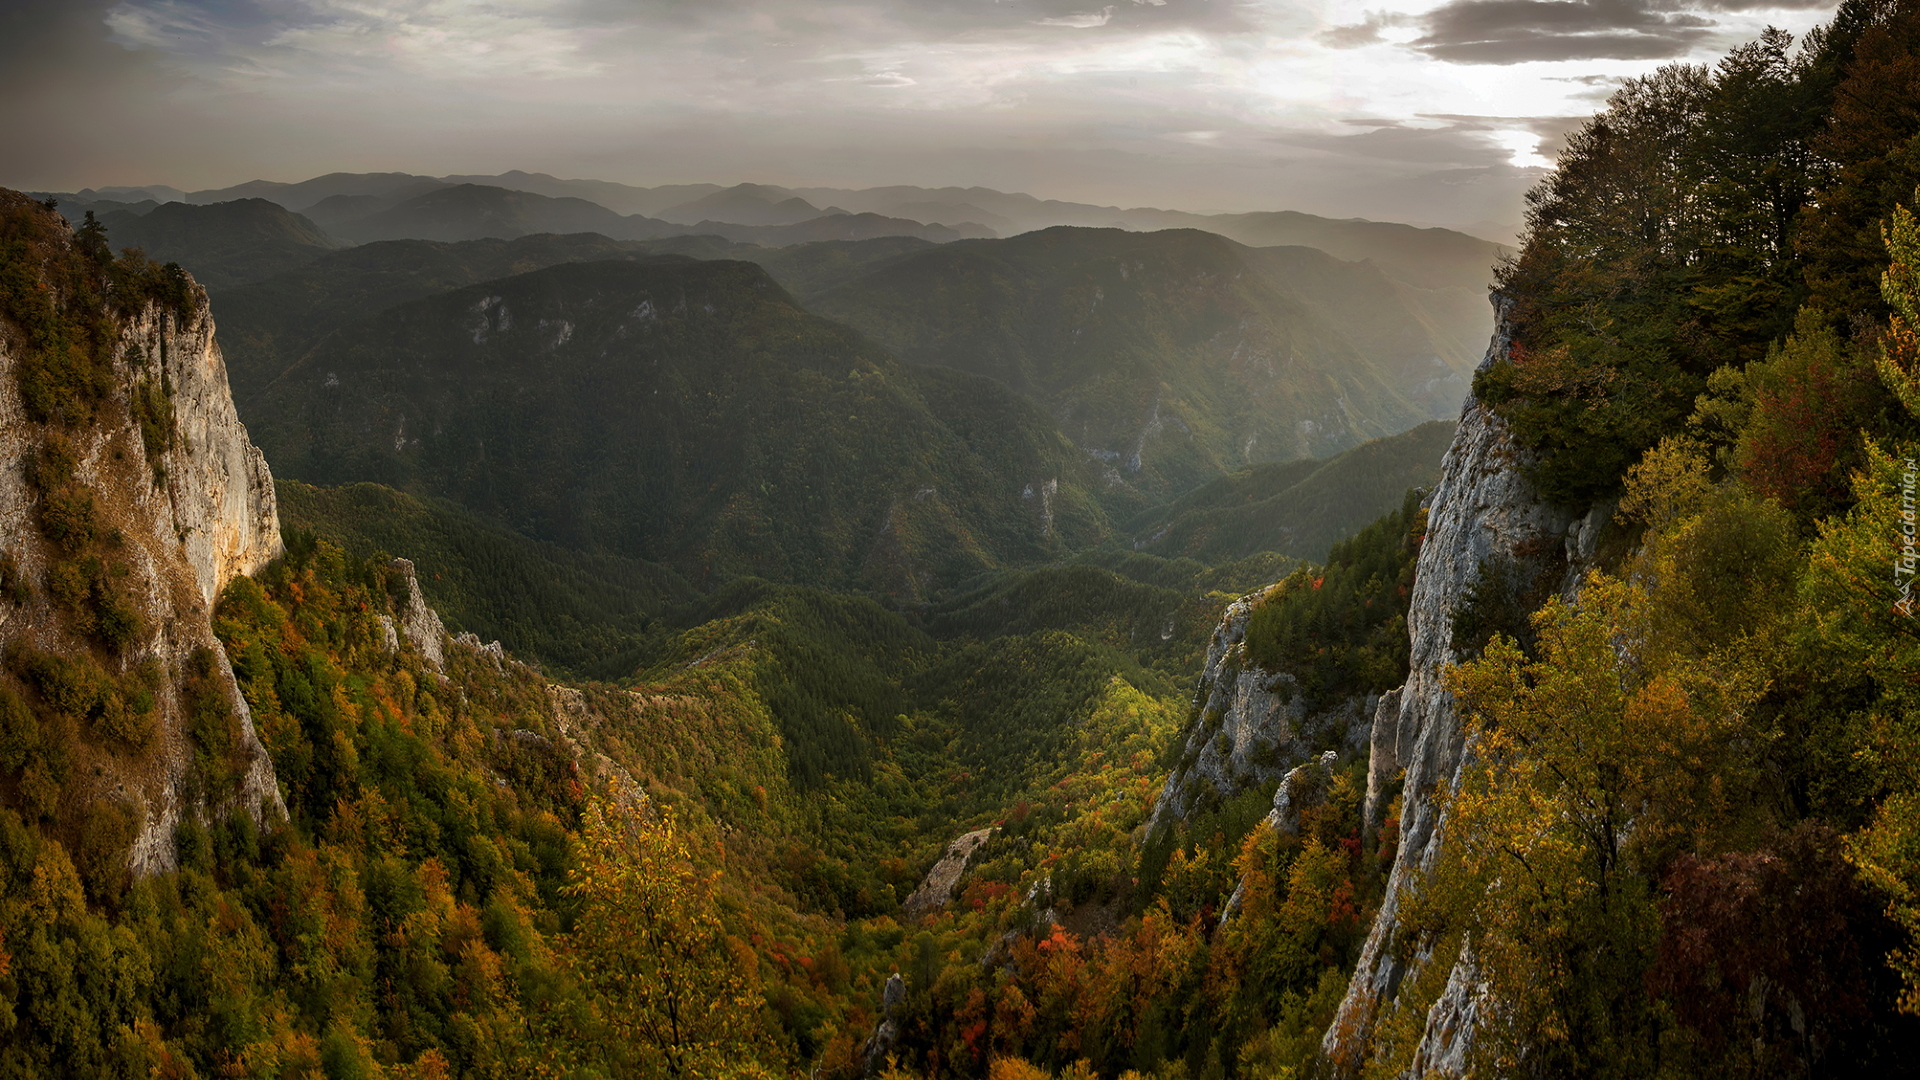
x=828, y=667
x=1341, y=628
x=1558, y=828
x=1790, y=424
x=1867, y=152
x=1298, y=508
x=547, y=604
x=1661, y=249
x=61, y=289
x=153, y=410
x=725, y=436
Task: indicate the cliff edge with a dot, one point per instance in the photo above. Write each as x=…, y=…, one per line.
x=1487, y=525
x=129, y=498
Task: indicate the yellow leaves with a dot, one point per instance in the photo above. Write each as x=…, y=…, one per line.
x=1887, y=854
x=55, y=895
x=1900, y=286
x=1594, y=761
x=1670, y=482
x=650, y=945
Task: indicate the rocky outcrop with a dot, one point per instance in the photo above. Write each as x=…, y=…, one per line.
x=176, y=511
x=578, y=723
x=937, y=890
x=1485, y=517
x=220, y=501
x=416, y=619
x=1250, y=725
x=886, y=1034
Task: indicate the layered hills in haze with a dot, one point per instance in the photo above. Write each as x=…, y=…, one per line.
x=227, y=243
x=1167, y=359
x=684, y=412
x=1171, y=357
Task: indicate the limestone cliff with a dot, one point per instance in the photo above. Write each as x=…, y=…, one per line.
x=1250, y=725
x=1485, y=518
x=129, y=497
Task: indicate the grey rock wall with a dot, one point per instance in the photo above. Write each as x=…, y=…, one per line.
x=1250, y=725
x=187, y=524
x=1484, y=512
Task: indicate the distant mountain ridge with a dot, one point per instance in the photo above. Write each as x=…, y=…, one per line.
x=226, y=244
x=1172, y=357
x=685, y=413
x=476, y=212
x=1017, y=212
x=364, y=207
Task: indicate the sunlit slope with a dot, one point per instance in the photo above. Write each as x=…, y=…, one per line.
x=1172, y=357
x=686, y=413
x=1297, y=508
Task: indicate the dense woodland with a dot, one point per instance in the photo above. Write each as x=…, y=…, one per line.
x=1688, y=843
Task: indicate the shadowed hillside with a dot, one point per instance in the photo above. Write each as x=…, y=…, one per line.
x=225, y=244
x=686, y=413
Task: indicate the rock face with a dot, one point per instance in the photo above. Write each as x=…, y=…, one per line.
x=887, y=1033
x=419, y=623
x=935, y=892
x=176, y=517
x=1250, y=725
x=1485, y=516
x=219, y=492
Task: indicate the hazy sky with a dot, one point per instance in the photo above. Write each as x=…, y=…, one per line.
x=1391, y=109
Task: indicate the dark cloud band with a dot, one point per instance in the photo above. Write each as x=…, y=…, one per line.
x=1519, y=31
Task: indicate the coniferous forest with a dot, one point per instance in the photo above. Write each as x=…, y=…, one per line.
x=872, y=693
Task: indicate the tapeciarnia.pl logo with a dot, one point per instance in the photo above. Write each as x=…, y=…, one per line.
x=1908, y=564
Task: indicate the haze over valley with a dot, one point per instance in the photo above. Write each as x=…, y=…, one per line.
x=946, y=540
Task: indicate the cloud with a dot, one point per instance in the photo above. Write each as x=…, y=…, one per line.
x=1081, y=20
x=1201, y=104
x=1518, y=31
x=886, y=78
x=1764, y=5
x=1458, y=140
x=1549, y=132
x=1365, y=32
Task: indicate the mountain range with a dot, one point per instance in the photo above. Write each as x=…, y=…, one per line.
x=688, y=413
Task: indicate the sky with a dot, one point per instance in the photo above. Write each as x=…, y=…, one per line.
x=1402, y=110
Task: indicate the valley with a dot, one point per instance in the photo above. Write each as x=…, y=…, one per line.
x=823, y=597
x=493, y=625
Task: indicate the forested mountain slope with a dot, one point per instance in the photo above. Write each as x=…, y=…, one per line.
x=686, y=413
x=1173, y=356
x=266, y=327
x=1662, y=602
x=226, y=244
